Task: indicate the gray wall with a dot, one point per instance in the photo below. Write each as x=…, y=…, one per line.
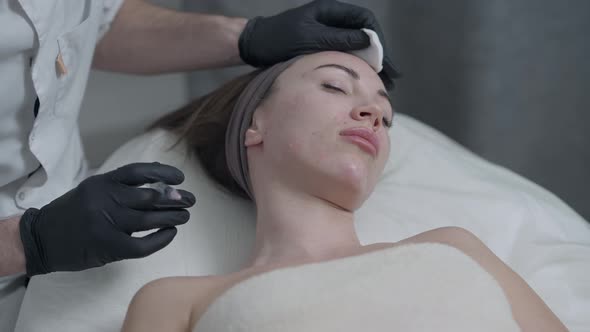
x=507, y=79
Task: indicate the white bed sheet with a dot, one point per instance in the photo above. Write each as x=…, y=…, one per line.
x=429, y=182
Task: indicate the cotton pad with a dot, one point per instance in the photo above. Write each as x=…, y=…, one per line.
x=165, y=189
x=373, y=54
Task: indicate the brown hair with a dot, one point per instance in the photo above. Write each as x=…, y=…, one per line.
x=202, y=125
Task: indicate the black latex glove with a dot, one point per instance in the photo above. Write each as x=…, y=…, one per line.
x=91, y=225
x=320, y=25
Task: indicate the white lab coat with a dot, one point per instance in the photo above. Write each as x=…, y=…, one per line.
x=46, y=49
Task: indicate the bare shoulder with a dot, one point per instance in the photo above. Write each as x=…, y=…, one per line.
x=167, y=304
x=457, y=237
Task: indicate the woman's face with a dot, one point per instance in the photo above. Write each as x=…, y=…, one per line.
x=323, y=129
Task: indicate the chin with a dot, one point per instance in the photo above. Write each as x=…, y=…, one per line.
x=350, y=186
x=355, y=173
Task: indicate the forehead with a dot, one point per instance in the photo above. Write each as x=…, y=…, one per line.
x=308, y=63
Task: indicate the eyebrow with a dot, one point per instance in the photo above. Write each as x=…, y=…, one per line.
x=352, y=73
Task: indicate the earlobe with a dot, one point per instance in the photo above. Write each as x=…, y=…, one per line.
x=253, y=137
x=254, y=133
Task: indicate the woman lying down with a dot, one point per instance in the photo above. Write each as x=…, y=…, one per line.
x=307, y=140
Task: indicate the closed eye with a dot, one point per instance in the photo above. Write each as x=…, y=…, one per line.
x=387, y=123
x=333, y=88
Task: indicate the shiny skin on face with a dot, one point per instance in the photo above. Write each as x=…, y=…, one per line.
x=324, y=129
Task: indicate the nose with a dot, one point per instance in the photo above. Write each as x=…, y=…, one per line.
x=371, y=113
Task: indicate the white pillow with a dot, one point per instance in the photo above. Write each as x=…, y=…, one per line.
x=429, y=182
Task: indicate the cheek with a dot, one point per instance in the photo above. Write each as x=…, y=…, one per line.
x=305, y=119
x=307, y=140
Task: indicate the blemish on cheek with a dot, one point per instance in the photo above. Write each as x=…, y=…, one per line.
x=293, y=146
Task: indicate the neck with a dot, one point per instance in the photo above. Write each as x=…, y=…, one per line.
x=296, y=227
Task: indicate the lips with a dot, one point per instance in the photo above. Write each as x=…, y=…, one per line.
x=364, y=137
